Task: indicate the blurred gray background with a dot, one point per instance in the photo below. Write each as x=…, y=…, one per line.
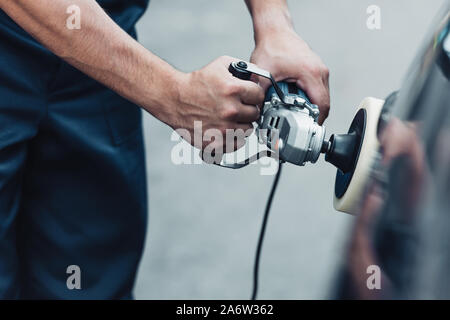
x=204, y=220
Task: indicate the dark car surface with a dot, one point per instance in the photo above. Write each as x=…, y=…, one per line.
x=402, y=230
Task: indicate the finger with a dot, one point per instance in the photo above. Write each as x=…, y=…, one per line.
x=262, y=82
x=326, y=80
x=246, y=128
x=233, y=143
x=240, y=132
x=319, y=94
x=247, y=114
x=324, y=110
x=251, y=93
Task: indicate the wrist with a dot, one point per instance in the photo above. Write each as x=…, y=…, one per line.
x=174, y=90
x=161, y=95
x=271, y=23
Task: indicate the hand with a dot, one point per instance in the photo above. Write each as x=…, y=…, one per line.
x=289, y=58
x=220, y=101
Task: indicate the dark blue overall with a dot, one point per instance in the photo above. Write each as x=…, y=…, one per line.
x=72, y=173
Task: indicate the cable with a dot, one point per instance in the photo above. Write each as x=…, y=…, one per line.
x=263, y=231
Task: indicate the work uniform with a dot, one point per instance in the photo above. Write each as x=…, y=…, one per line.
x=72, y=174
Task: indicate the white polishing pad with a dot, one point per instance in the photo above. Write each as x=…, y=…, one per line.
x=349, y=201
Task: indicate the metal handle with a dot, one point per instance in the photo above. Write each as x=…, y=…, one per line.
x=289, y=94
x=243, y=70
x=287, y=88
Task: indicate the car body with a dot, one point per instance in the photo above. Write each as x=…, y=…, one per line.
x=402, y=229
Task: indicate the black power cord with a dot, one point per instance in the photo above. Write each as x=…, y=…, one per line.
x=263, y=231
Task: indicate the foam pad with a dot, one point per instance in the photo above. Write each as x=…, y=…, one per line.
x=349, y=187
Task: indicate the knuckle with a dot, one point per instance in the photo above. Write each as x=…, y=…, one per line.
x=231, y=88
x=229, y=112
x=316, y=72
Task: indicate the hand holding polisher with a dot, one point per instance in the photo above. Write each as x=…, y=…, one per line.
x=288, y=127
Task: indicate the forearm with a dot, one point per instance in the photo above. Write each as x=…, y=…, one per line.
x=281, y=50
x=269, y=17
x=101, y=49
